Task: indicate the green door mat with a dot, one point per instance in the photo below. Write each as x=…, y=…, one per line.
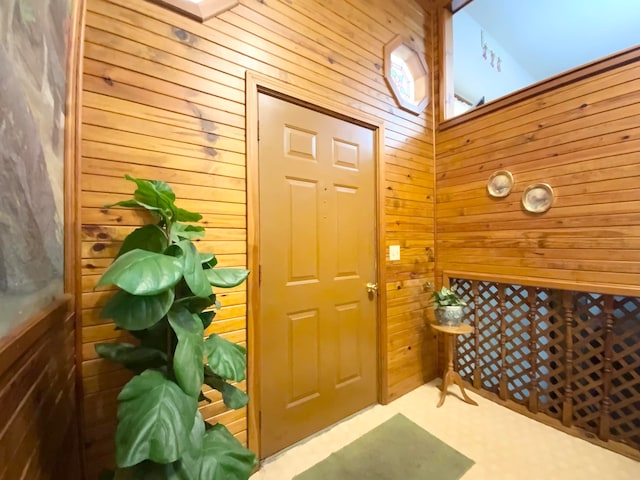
x=396, y=450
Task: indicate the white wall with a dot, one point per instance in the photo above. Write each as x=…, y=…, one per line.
x=474, y=77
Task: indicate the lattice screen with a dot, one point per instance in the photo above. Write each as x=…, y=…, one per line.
x=573, y=356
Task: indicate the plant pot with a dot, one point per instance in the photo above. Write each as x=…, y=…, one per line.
x=450, y=316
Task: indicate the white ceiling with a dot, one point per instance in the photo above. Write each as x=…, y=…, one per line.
x=550, y=36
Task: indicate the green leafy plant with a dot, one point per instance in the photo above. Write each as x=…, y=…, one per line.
x=446, y=297
x=165, y=300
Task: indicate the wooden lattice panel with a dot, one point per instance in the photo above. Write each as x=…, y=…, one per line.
x=517, y=333
x=550, y=338
x=588, y=359
x=488, y=324
x=625, y=382
x=573, y=356
x=466, y=348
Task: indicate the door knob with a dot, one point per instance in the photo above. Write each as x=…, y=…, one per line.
x=372, y=287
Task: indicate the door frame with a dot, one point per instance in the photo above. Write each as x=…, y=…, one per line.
x=256, y=84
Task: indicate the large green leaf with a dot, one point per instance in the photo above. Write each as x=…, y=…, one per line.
x=189, y=466
x=155, y=418
x=197, y=304
x=134, y=357
x=157, y=336
x=225, y=358
x=193, y=272
x=134, y=312
x=207, y=318
x=208, y=260
x=143, y=273
x=207, y=257
x=232, y=396
x=183, y=215
x=224, y=457
x=155, y=195
x=180, y=231
x=188, y=357
x=124, y=203
x=149, y=237
x=226, y=277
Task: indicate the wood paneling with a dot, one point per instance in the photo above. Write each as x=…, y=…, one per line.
x=164, y=97
x=37, y=398
x=583, y=140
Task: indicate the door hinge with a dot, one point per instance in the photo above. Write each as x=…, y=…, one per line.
x=259, y=420
x=259, y=275
x=258, y=130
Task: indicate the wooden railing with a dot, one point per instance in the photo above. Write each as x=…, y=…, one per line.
x=570, y=357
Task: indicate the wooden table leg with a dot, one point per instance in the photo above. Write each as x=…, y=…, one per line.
x=450, y=376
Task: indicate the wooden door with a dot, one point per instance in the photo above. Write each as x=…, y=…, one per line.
x=317, y=253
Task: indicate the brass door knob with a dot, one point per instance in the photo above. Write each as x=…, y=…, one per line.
x=372, y=288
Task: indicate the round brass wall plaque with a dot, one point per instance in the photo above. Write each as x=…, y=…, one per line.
x=500, y=183
x=537, y=198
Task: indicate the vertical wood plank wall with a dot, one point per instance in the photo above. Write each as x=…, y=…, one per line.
x=38, y=429
x=583, y=139
x=164, y=98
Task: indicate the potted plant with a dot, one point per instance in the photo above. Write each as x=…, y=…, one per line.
x=448, y=306
x=165, y=300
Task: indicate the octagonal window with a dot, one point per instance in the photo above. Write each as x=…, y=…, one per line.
x=201, y=10
x=407, y=75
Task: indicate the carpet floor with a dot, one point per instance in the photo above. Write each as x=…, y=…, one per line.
x=396, y=449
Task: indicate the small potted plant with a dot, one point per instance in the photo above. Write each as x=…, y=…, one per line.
x=448, y=306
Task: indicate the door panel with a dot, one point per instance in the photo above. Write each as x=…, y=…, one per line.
x=317, y=253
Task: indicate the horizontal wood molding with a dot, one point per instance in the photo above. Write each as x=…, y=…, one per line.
x=628, y=290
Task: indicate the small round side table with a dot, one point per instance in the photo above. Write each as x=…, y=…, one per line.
x=450, y=376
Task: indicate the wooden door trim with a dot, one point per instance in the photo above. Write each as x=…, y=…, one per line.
x=256, y=84
x=72, y=190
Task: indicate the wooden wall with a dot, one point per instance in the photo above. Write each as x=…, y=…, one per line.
x=164, y=98
x=583, y=139
x=38, y=429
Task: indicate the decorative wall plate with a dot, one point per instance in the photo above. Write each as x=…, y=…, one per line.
x=537, y=198
x=500, y=183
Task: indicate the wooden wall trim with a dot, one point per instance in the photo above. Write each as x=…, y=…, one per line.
x=383, y=337
x=253, y=262
x=72, y=191
x=18, y=341
x=72, y=145
x=582, y=72
x=255, y=84
x=589, y=287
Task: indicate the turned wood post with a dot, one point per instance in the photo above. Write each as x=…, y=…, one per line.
x=605, y=408
x=532, y=294
x=503, y=343
x=567, y=405
x=477, y=382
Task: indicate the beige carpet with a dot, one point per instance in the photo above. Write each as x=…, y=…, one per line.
x=504, y=444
